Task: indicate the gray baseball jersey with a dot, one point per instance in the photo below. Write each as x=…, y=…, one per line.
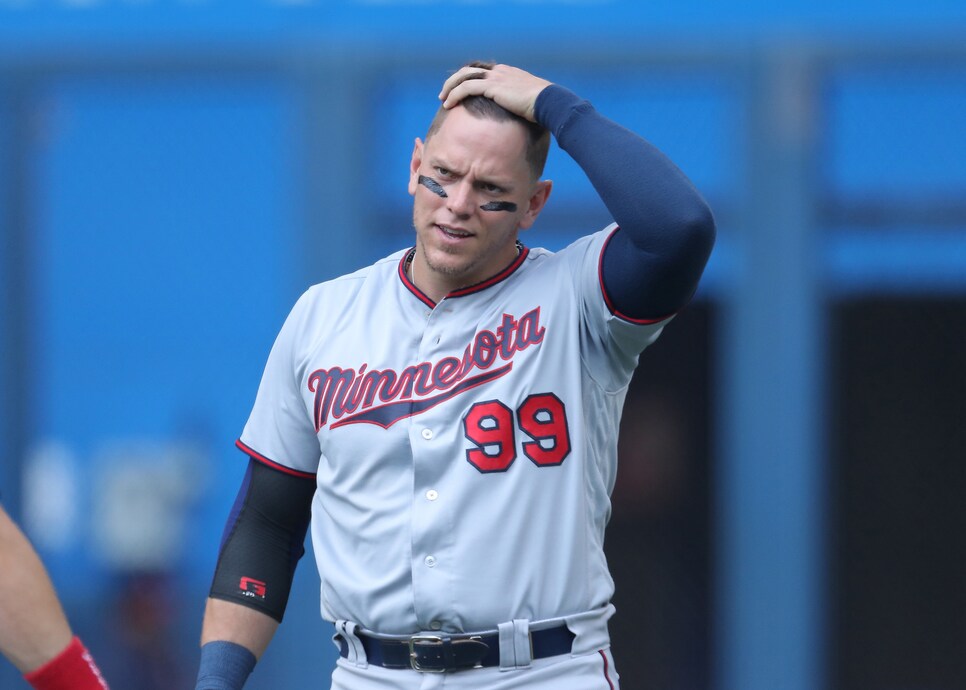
x=464, y=451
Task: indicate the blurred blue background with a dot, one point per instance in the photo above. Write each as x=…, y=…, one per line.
x=789, y=513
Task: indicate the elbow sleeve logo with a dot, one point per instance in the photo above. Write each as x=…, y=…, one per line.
x=253, y=588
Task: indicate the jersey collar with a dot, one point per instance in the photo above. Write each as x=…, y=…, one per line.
x=462, y=292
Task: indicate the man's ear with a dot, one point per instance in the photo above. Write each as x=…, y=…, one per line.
x=414, y=164
x=538, y=200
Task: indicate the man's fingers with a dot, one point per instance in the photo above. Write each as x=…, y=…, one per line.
x=458, y=79
x=511, y=87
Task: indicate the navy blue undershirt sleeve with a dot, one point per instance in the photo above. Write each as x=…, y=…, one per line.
x=652, y=264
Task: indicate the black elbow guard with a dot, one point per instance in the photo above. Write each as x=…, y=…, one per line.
x=264, y=539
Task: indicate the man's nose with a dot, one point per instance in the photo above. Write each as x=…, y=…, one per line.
x=461, y=199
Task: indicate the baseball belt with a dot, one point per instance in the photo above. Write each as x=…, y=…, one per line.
x=443, y=653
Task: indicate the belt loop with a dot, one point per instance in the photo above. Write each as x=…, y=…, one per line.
x=515, y=648
x=346, y=631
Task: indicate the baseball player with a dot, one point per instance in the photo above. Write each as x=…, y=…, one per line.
x=34, y=632
x=446, y=419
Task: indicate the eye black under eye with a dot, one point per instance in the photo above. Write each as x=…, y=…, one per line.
x=508, y=206
x=433, y=186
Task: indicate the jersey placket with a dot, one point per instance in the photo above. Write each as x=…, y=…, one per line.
x=431, y=443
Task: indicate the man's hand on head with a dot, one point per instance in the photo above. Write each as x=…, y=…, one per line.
x=511, y=87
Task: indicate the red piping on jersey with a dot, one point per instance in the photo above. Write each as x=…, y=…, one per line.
x=502, y=275
x=404, y=276
x=606, y=666
x=603, y=290
x=462, y=292
x=271, y=463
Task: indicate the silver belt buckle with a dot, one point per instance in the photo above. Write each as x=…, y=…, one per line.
x=423, y=640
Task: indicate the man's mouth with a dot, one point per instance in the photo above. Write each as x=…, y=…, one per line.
x=455, y=233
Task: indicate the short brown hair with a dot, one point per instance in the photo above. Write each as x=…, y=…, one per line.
x=538, y=136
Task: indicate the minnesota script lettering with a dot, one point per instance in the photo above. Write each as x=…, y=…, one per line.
x=384, y=396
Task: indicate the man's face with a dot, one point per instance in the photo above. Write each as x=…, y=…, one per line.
x=472, y=193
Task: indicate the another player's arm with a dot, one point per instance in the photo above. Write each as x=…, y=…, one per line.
x=33, y=627
x=34, y=632
x=262, y=543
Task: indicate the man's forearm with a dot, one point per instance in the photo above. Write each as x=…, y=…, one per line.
x=233, y=638
x=263, y=542
x=242, y=625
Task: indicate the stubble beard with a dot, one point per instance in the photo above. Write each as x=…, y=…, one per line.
x=446, y=269
x=450, y=271
x=464, y=267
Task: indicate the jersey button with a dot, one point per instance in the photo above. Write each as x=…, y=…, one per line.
x=427, y=433
x=432, y=495
x=430, y=561
x=435, y=625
